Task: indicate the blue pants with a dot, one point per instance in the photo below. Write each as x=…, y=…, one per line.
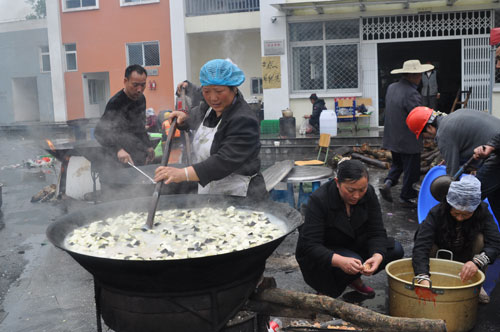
x=409, y=165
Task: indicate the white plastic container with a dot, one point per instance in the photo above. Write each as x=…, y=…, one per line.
x=328, y=122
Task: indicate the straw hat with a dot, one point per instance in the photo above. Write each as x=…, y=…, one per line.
x=412, y=66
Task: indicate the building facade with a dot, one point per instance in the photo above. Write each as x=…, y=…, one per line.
x=345, y=48
x=25, y=84
x=95, y=40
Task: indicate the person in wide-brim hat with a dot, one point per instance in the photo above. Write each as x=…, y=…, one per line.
x=401, y=97
x=413, y=66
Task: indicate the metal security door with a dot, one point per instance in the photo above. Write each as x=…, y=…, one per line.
x=476, y=71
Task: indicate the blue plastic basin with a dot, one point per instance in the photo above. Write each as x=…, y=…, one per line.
x=425, y=199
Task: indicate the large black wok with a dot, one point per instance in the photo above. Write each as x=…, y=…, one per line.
x=173, y=275
x=197, y=294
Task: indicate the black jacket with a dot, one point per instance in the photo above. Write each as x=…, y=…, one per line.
x=236, y=144
x=327, y=226
x=122, y=126
x=495, y=142
x=400, y=99
x=318, y=107
x=430, y=232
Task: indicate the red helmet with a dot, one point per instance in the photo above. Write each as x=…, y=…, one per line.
x=418, y=118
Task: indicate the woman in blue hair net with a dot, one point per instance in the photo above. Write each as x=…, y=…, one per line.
x=463, y=225
x=226, y=142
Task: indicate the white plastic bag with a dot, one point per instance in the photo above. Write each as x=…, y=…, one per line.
x=305, y=127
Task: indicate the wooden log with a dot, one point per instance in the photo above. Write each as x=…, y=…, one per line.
x=431, y=157
x=365, y=318
x=373, y=162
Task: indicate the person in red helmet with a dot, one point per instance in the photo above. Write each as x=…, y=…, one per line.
x=401, y=98
x=458, y=135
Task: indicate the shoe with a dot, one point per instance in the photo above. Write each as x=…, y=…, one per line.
x=362, y=289
x=385, y=191
x=483, y=296
x=408, y=203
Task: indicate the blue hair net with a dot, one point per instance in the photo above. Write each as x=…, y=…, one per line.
x=221, y=72
x=465, y=195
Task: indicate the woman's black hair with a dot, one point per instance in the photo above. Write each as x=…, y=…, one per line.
x=351, y=170
x=313, y=97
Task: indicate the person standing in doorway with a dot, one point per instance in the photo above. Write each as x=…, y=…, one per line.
x=405, y=148
x=430, y=93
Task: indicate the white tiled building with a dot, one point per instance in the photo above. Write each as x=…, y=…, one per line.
x=339, y=48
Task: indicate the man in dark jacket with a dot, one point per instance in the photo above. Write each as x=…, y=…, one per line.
x=401, y=98
x=458, y=135
x=318, y=107
x=121, y=130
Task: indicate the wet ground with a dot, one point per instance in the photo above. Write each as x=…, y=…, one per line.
x=43, y=289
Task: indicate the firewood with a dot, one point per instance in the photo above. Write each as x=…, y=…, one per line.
x=270, y=299
x=370, y=161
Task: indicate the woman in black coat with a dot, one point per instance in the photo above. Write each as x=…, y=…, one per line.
x=343, y=236
x=226, y=142
x=463, y=225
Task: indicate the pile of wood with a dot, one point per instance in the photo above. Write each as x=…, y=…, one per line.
x=382, y=158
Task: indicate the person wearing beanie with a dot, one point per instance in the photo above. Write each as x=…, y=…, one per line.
x=461, y=224
x=226, y=142
x=458, y=135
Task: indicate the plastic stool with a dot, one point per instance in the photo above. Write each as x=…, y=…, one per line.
x=284, y=196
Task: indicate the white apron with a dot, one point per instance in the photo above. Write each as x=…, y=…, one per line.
x=233, y=184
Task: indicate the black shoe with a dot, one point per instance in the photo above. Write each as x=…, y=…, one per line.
x=408, y=203
x=385, y=191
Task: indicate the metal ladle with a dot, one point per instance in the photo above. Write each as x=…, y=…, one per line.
x=441, y=184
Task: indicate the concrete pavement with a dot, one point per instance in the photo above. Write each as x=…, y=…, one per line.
x=44, y=289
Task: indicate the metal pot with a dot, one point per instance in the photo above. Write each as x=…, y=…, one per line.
x=447, y=298
x=153, y=295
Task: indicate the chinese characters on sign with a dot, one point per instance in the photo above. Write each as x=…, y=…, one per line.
x=271, y=72
x=274, y=47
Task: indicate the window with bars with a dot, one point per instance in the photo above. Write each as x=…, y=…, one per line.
x=71, y=64
x=136, y=2
x=144, y=54
x=44, y=59
x=256, y=85
x=80, y=4
x=325, y=55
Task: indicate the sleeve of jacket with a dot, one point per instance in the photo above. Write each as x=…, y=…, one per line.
x=240, y=141
x=111, y=131
x=495, y=142
x=450, y=152
x=375, y=230
x=108, y=128
x=311, y=238
x=412, y=100
x=424, y=239
x=491, y=235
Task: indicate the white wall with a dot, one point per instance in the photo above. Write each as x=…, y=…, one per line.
x=56, y=60
x=275, y=100
x=242, y=47
x=25, y=99
x=180, y=50
x=369, y=77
